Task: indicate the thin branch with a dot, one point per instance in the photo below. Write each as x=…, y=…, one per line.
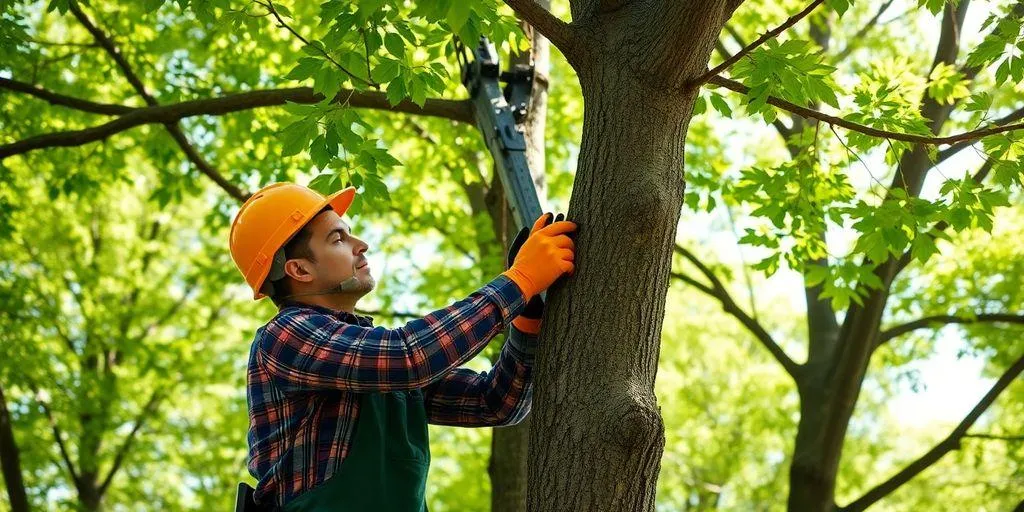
x=64, y=101
x=761, y=40
x=203, y=166
x=456, y=110
x=171, y=312
x=173, y=128
x=112, y=50
x=746, y=272
x=560, y=33
x=57, y=435
x=930, y=321
x=695, y=283
x=994, y=437
x=270, y=6
x=144, y=414
x=867, y=130
x=859, y=36
x=950, y=443
x=62, y=43
x=780, y=126
x=945, y=154
x=718, y=290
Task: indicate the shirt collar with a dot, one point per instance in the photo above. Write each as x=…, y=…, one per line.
x=344, y=316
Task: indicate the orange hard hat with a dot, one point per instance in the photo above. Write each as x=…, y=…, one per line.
x=270, y=218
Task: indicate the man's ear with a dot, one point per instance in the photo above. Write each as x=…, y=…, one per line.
x=298, y=269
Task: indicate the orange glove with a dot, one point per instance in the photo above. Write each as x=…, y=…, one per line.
x=544, y=257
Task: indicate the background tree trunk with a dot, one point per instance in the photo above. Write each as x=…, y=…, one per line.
x=10, y=460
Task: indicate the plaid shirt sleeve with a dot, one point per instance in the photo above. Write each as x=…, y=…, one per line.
x=499, y=397
x=307, y=350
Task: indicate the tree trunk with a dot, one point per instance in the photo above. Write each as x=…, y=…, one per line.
x=812, y=473
x=10, y=460
x=597, y=436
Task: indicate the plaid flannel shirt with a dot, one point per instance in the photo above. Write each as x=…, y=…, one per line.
x=309, y=364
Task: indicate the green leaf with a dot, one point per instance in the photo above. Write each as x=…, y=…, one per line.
x=839, y=6
x=394, y=44
x=319, y=153
x=328, y=81
x=417, y=90
x=296, y=136
x=298, y=109
x=700, y=106
x=396, y=92
x=721, y=105
x=935, y=6
x=386, y=71
x=314, y=48
x=306, y=67
x=325, y=183
x=458, y=14
x=979, y=102
x=152, y=5
x=815, y=275
x=947, y=84
x=282, y=10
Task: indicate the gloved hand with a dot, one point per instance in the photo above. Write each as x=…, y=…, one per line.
x=535, y=307
x=545, y=255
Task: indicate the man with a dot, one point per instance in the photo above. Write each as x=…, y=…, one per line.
x=338, y=409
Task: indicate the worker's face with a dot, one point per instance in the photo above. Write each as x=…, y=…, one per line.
x=339, y=254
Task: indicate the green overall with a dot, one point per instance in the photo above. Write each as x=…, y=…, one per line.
x=386, y=466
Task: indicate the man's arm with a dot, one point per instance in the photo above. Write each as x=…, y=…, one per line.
x=501, y=396
x=306, y=350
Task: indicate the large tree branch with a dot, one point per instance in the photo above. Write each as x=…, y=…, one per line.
x=930, y=321
x=560, y=33
x=867, y=130
x=456, y=110
x=64, y=101
x=10, y=460
x=147, y=411
x=761, y=40
x=950, y=443
x=718, y=291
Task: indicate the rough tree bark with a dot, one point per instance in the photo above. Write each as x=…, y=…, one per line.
x=596, y=436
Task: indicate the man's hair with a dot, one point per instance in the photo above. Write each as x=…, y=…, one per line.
x=296, y=247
